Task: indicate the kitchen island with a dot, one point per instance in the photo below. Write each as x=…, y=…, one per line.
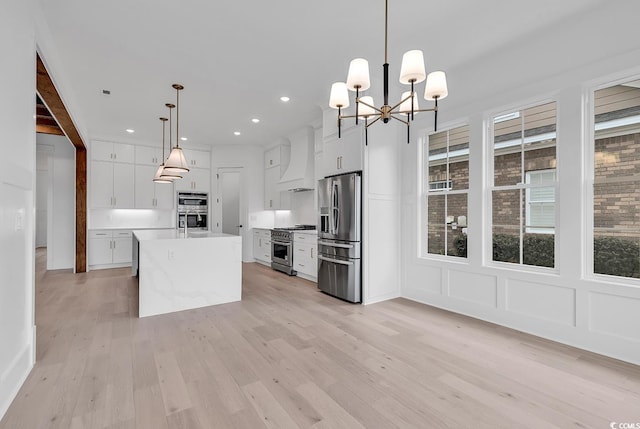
x=179, y=273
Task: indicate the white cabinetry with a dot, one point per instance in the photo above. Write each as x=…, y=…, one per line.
x=305, y=249
x=109, y=151
x=112, y=185
x=151, y=195
x=276, y=161
x=146, y=155
x=262, y=245
x=109, y=248
x=197, y=179
x=343, y=155
x=197, y=158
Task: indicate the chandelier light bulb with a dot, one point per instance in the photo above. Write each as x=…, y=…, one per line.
x=358, y=76
x=436, y=87
x=339, y=98
x=412, y=67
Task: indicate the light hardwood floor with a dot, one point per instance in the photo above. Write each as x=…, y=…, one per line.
x=288, y=356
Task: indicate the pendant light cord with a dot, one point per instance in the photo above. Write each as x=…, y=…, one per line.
x=177, y=117
x=386, y=24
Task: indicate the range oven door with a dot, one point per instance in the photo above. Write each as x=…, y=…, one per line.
x=281, y=252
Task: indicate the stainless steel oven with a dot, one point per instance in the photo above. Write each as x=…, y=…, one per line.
x=282, y=248
x=193, y=210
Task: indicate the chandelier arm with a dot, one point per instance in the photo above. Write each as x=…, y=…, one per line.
x=374, y=121
x=401, y=120
x=353, y=116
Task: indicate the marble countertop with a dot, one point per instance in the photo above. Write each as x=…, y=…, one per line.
x=174, y=234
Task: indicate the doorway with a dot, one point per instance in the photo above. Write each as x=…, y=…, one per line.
x=229, y=197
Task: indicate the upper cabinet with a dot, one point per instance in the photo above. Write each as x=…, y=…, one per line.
x=197, y=158
x=276, y=161
x=112, y=185
x=197, y=179
x=151, y=195
x=114, y=152
x=345, y=154
x=146, y=155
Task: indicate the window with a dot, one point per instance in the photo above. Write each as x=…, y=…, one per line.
x=524, y=186
x=540, y=202
x=616, y=181
x=446, y=184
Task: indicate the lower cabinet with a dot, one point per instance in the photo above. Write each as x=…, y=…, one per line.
x=262, y=245
x=305, y=252
x=109, y=249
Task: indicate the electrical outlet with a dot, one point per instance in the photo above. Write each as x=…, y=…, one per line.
x=170, y=255
x=19, y=221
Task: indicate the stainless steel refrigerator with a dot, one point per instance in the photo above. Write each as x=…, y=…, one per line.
x=339, y=232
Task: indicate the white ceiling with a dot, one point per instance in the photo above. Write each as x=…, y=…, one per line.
x=236, y=58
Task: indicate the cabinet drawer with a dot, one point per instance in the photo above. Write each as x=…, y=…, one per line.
x=98, y=233
x=305, y=267
x=305, y=238
x=122, y=234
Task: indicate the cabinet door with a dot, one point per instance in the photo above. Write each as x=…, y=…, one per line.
x=101, y=151
x=271, y=194
x=123, y=185
x=100, y=252
x=165, y=196
x=101, y=184
x=146, y=155
x=351, y=150
x=122, y=250
x=257, y=246
x=123, y=153
x=266, y=249
x=201, y=179
x=272, y=157
x=197, y=158
x=144, y=186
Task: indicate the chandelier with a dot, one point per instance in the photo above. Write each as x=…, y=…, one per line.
x=412, y=72
x=176, y=163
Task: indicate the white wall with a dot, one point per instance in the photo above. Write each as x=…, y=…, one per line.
x=61, y=201
x=42, y=192
x=562, y=63
x=251, y=160
x=17, y=181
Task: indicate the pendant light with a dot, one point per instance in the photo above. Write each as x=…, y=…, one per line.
x=168, y=174
x=176, y=163
x=158, y=177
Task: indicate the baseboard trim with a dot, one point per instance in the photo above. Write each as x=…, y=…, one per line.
x=14, y=377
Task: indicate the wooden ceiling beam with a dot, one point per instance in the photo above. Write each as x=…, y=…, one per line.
x=48, y=129
x=49, y=94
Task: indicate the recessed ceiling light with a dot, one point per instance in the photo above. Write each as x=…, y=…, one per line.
x=184, y=139
x=285, y=99
x=237, y=133
x=129, y=130
x=255, y=120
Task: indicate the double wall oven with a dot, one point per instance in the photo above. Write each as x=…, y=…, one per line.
x=282, y=248
x=193, y=210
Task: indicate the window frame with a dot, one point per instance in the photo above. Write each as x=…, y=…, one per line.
x=425, y=191
x=589, y=131
x=490, y=187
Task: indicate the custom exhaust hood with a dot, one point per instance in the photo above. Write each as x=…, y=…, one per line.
x=299, y=175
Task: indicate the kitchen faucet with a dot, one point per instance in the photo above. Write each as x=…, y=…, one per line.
x=186, y=220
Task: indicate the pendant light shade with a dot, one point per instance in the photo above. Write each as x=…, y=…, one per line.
x=358, y=76
x=405, y=107
x=366, y=111
x=412, y=68
x=167, y=174
x=160, y=176
x=436, y=86
x=339, y=98
x=176, y=163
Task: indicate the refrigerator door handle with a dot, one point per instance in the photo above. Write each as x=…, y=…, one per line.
x=335, y=208
x=335, y=261
x=342, y=246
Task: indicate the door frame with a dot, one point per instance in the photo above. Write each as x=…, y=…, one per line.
x=241, y=199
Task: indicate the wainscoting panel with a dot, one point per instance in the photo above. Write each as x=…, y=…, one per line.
x=476, y=288
x=615, y=315
x=542, y=301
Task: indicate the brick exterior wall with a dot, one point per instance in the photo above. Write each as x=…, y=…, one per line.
x=616, y=206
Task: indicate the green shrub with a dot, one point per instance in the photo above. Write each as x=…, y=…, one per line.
x=616, y=256
x=460, y=245
x=538, y=249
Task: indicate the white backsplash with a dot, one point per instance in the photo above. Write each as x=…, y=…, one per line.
x=131, y=218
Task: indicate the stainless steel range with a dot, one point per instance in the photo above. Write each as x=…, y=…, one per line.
x=282, y=248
